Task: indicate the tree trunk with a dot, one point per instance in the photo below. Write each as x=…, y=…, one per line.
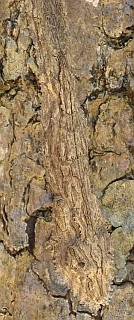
x=66, y=187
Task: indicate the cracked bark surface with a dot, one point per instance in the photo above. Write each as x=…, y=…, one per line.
x=66, y=159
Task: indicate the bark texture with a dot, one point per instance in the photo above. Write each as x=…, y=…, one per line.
x=66, y=159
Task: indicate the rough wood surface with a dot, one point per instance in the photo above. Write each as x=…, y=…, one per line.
x=62, y=111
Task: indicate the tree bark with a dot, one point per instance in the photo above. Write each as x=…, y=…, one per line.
x=66, y=91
